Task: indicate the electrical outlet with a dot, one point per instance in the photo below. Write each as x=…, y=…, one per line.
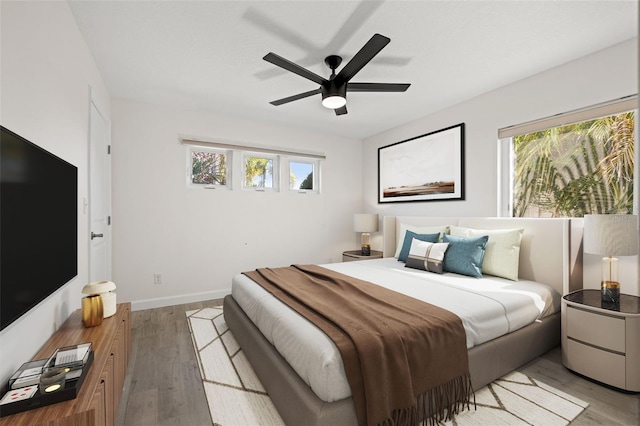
x=157, y=278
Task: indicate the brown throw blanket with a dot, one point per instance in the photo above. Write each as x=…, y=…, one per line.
x=405, y=359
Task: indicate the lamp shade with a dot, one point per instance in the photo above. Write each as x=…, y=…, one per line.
x=99, y=287
x=611, y=234
x=363, y=222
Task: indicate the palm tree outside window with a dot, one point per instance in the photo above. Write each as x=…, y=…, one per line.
x=585, y=167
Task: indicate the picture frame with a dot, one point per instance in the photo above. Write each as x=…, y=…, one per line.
x=429, y=167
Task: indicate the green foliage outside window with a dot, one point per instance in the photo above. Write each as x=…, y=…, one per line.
x=577, y=169
x=307, y=183
x=208, y=168
x=258, y=172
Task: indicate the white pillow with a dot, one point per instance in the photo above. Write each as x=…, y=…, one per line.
x=502, y=255
x=404, y=227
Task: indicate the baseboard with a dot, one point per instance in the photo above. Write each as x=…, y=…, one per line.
x=160, y=302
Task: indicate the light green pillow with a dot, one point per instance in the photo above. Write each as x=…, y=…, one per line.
x=502, y=255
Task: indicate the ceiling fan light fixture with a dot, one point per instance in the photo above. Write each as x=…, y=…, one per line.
x=334, y=95
x=334, y=102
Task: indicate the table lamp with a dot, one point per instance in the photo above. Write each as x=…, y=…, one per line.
x=365, y=223
x=610, y=235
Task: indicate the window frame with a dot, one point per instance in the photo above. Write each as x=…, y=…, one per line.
x=236, y=164
x=506, y=165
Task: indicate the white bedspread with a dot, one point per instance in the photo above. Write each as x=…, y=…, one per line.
x=489, y=307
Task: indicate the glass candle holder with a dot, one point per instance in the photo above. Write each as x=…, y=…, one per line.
x=52, y=380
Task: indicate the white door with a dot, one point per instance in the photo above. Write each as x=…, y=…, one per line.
x=99, y=197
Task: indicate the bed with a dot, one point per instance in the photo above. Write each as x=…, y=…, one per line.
x=547, y=255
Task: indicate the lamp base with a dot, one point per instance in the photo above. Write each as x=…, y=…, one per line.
x=365, y=244
x=610, y=291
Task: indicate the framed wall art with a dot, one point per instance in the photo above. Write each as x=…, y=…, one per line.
x=428, y=167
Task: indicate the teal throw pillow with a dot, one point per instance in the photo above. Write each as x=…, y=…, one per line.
x=465, y=255
x=409, y=236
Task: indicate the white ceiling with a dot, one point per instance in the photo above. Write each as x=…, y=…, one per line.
x=207, y=55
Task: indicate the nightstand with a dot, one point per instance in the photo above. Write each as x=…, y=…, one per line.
x=348, y=256
x=602, y=340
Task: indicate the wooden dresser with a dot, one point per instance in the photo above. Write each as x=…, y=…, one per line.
x=98, y=400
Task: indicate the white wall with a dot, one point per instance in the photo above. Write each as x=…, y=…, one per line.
x=602, y=76
x=46, y=72
x=198, y=239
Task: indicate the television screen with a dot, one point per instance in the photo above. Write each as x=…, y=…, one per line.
x=38, y=225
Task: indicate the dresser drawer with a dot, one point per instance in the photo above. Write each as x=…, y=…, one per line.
x=606, y=367
x=596, y=329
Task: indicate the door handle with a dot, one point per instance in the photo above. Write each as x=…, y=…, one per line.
x=96, y=235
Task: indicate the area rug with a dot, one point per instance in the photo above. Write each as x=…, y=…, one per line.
x=236, y=396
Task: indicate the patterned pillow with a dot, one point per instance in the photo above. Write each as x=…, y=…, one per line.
x=465, y=255
x=426, y=256
x=409, y=236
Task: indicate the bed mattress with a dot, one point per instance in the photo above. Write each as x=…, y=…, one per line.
x=489, y=307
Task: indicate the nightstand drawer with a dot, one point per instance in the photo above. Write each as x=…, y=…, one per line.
x=600, y=365
x=596, y=329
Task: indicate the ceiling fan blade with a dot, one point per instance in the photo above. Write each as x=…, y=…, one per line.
x=295, y=97
x=341, y=110
x=362, y=58
x=377, y=87
x=294, y=68
x=360, y=15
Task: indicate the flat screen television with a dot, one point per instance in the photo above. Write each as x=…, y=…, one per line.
x=38, y=225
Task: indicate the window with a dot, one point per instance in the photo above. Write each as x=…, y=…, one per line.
x=303, y=175
x=569, y=170
x=260, y=172
x=255, y=168
x=208, y=167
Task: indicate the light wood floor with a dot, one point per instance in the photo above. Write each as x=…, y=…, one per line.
x=163, y=385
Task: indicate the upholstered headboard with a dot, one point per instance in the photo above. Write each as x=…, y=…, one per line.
x=548, y=252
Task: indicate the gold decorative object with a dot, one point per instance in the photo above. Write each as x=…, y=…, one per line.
x=92, y=310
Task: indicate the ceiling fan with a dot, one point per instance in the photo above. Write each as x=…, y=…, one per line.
x=334, y=90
